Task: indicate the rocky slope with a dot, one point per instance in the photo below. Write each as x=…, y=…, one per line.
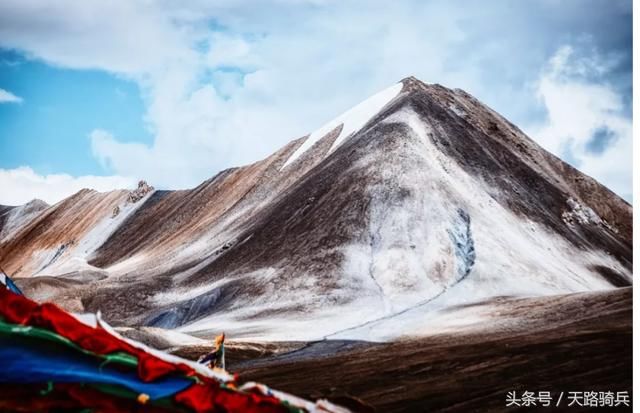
x=419, y=199
x=577, y=341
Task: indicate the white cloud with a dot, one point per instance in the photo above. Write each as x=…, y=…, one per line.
x=294, y=81
x=577, y=109
x=127, y=37
x=296, y=65
x=19, y=185
x=205, y=119
x=8, y=97
x=229, y=51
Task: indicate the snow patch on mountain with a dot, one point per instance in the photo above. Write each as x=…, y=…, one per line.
x=108, y=224
x=21, y=215
x=178, y=294
x=463, y=243
x=352, y=121
x=458, y=110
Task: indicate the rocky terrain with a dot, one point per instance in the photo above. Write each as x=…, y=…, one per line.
x=575, y=343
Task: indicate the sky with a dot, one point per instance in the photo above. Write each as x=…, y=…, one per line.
x=102, y=94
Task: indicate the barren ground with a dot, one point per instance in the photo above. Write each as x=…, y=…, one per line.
x=586, y=346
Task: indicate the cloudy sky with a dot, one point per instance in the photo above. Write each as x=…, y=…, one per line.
x=100, y=94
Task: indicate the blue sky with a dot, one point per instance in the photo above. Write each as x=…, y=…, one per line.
x=48, y=130
x=102, y=95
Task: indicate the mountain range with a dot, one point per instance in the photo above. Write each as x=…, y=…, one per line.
x=398, y=218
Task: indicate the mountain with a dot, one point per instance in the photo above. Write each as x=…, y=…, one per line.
x=417, y=202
